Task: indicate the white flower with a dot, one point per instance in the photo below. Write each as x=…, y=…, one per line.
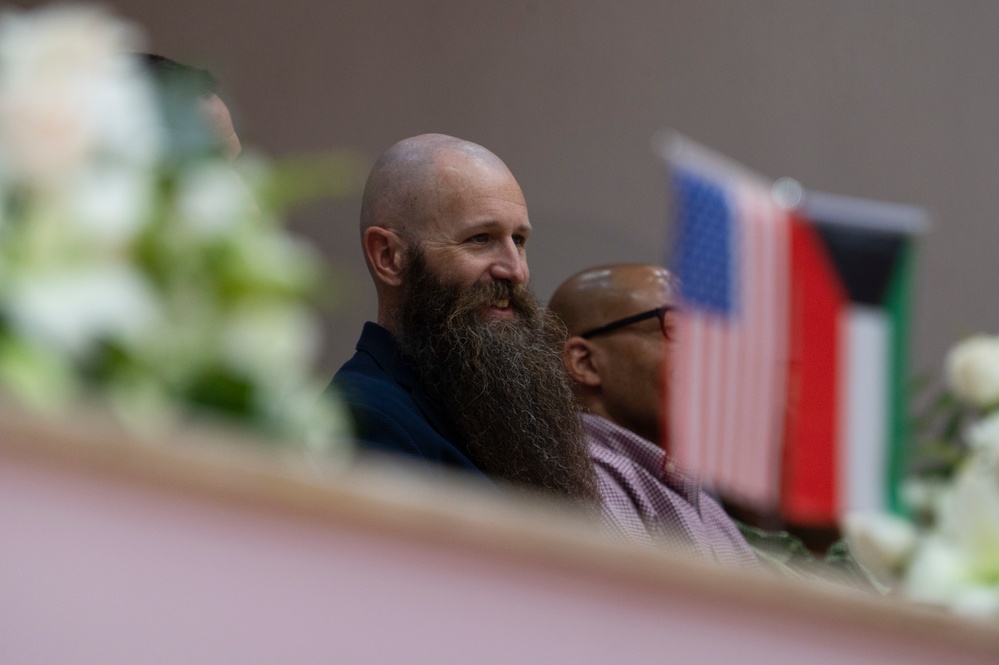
x=983, y=436
x=942, y=574
x=969, y=516
x=937, y=573
x=67, y=93
x=271, y=339
x=72, y=309
x=973, y=370
x=105, y=238
x=977, y=601
x=109, y=204
x=310, y=416
x=957, y=565
x=213, y=200
x=881, y=542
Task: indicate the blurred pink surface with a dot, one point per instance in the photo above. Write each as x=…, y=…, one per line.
x=109, y=572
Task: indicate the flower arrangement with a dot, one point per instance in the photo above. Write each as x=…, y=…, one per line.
x=158, y=279
x=946, y=552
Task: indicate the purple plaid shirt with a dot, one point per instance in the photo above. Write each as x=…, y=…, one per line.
x=647, y=499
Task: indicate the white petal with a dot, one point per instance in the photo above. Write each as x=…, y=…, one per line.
x=882, y=543
x=271, y=339
x=72, y=310
x=973, y=370
x=937, y=574
x=213, y=199
x=110, y=205
x=977, y=601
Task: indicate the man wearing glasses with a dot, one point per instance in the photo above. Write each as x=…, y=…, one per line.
x=621, y=320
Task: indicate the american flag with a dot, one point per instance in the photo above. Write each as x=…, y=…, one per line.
x=728, y=375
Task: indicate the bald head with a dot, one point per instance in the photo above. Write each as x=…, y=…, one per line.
x=403, y=191
x=597, y=296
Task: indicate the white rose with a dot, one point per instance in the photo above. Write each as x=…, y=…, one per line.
x=73, y=309
x=273, y=342
x=938, y=573
x=68, y=94
x=307, y=414
x=109, y=205
x=127, y=114
x=969, y=515
x=881, y=542
x=978, y=601
x=973, y=370
x=213, y=200
x=983, y=436
x=942, y=574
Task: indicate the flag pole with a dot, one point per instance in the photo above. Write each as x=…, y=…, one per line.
x=676, y=148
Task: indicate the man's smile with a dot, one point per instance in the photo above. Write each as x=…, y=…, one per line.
x=500, y=309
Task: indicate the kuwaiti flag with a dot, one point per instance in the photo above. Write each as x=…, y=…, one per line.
x=851, y=275
x=728, y=371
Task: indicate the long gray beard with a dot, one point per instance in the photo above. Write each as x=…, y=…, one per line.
x=501, y=381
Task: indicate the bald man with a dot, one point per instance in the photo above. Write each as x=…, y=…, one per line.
x=621, y=324
x=463, y=367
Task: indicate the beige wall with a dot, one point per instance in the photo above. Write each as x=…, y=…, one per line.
x=895, y=100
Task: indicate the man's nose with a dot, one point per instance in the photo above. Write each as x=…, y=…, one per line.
x=511, y=264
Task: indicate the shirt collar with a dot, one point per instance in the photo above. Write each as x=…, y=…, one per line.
x=381, y=345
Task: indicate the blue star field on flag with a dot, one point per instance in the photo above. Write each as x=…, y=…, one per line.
x=704, y=260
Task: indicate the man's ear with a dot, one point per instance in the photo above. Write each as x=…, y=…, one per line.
x=386, y=254
x=578, y=356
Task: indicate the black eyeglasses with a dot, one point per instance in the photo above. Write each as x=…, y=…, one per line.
x=628, y=320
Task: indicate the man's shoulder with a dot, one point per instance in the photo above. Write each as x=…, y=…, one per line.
x=619, y=450
x=370, y=375
x=390, y=415
x=368, y=388
x=362, y=383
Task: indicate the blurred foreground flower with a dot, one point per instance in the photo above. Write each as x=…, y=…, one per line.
x=949, y=555
x=973, y=370
x=156, y=278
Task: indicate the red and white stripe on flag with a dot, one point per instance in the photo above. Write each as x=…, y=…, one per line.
x=728, y=376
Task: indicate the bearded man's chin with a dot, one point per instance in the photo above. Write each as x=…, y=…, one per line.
x=501, y=380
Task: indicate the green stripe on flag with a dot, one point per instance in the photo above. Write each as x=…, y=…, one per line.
x=898, y=301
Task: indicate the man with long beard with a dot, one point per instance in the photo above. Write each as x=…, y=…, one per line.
x=463, y=367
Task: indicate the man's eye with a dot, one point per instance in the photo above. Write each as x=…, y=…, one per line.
x=520, y=240
x=479, y=238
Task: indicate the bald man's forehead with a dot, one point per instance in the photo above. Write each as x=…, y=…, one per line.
x=624, y=279
x=425, y=182
x=464, y=185
x=598, y=295
x=643, y=278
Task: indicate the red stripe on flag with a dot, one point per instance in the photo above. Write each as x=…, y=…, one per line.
x=809, y=487
x=778, y=260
